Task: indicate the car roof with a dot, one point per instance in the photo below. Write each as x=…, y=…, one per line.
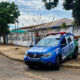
x=59, y=35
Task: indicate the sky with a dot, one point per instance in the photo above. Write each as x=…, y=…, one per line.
x=33, y=12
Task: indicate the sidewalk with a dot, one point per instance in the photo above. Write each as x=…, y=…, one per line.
x=13, y=52
x=72, y=63
x=17, y=53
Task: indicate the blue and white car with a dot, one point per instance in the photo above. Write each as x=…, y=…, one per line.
x=52, y=50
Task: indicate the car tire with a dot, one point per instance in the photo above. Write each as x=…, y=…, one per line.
x=75, y=54
x=57, y=63
x=30, y=66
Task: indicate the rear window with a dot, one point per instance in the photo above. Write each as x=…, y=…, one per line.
x=69, y=40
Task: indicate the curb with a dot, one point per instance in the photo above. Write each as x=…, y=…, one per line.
x=63, y=65
x=70, y=66
x=12, y=58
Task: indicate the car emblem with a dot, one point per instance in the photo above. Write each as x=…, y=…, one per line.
x=34, y=55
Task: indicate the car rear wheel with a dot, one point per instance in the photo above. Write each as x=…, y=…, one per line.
x=75, y=54
x=57, y=63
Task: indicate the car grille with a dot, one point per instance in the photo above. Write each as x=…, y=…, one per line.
x=35, y=55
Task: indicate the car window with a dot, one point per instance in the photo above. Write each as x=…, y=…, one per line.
x=63, y=42
x=69, y=40
x=48, y=42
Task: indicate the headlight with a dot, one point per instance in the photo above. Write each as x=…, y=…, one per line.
x=47, y=55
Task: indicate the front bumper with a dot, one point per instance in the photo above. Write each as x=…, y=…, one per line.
x=40, y=62
x=35, y=63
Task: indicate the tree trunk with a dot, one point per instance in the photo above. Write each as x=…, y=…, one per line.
x=4, y=39
x=0, y=39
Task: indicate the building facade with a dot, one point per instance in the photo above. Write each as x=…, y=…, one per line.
x=35, y=33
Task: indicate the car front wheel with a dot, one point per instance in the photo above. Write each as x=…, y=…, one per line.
x=57, y=63
x=31, y=66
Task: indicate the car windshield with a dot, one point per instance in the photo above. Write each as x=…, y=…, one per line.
x=48, y=42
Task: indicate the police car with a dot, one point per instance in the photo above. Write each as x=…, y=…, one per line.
x=52, y=50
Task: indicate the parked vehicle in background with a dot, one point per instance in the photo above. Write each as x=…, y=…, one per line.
x=52, y=50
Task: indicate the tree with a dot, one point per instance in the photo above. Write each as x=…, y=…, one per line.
x=64, y=25
x=73, y=5
x=8, y=15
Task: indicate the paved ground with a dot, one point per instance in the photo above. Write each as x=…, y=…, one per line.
x=13, y=70
x=10, y=70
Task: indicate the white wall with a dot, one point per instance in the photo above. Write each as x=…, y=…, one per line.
x=1, y=40
x=20, y=43
x=19, y=39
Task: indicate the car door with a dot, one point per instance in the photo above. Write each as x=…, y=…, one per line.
x=64, y=48
x=71, y=44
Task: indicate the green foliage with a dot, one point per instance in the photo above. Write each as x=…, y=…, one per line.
x=74, y=24
x=8, y=14
x=64, y=25
x=49, y=5
x=76, y=12
x=68, y=4
x=73, y=5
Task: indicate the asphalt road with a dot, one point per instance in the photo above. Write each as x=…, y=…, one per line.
x=13, y=70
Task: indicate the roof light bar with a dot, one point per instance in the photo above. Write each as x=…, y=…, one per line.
x=57, y=33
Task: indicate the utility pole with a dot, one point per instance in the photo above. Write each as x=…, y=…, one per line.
x=17, y=20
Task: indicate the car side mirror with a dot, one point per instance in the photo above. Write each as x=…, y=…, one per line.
x=31, y=46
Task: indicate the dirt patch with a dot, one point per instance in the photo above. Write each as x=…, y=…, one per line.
x=13, y=51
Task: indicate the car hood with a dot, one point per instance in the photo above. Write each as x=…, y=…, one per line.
x=41, y=49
